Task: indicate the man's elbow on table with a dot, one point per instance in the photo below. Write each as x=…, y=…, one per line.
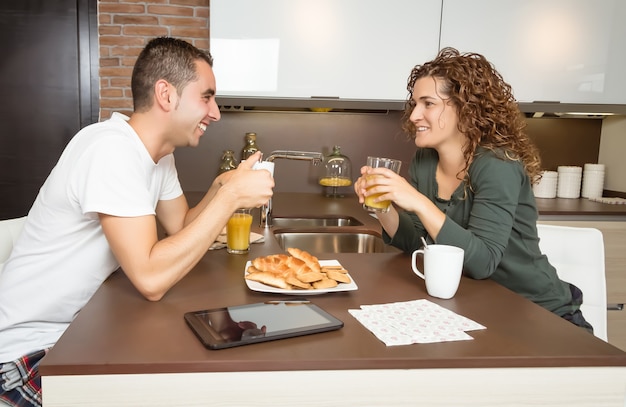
x=149, y=287
x=151, y=295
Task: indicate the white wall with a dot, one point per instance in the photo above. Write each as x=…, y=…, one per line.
x=613, y=152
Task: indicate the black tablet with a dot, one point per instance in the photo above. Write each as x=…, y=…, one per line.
x=261, y=322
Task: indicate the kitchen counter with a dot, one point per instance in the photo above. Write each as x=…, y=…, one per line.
x=124, y=350
x=579, y=209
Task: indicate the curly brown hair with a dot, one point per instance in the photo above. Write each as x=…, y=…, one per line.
x=489, y=115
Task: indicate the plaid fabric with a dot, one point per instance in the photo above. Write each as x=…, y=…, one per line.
x=20, y=383
x=576, y=317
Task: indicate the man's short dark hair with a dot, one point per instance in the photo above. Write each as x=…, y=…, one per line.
x=164, y=58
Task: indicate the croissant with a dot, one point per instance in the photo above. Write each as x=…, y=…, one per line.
x=298, y=270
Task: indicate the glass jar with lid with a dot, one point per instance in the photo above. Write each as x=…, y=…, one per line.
x=336, y=173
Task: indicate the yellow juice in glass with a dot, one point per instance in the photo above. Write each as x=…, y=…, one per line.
x=335, y=182
x=238, y=232
x=380, y=162
x=382, y=206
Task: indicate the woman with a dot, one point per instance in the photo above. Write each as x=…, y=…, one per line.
x=471, y=181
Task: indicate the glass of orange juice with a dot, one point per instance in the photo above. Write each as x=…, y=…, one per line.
x=238, y=232
x=370, y=203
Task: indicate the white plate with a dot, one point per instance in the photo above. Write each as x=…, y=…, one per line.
x=256, y=286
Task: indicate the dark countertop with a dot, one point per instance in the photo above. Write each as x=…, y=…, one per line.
x=120, y=332
x=578, y=207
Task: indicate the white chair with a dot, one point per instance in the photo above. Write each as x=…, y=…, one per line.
x=578, y=256
x=10, y=229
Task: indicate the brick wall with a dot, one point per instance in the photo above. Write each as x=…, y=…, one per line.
x=124, y=28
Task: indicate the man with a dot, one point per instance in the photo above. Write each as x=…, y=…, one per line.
x=99, y=207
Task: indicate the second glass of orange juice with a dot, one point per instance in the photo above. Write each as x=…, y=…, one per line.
x=238, y=232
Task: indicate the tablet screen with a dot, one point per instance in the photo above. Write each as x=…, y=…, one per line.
x=252, y=323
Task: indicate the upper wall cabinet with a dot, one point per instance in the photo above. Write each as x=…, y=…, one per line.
x=571, y=51
x=323, y=49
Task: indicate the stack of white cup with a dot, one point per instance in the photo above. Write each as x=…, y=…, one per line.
x=546, y=187
x=593, y=181
x=569, y=181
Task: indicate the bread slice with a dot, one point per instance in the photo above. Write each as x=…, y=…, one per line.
x=310, y=276
x=325, y=283
x=340, y=269
x=338, y=276
x=294, y=281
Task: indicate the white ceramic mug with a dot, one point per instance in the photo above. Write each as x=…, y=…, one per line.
x=264, y=165
x=443, y=266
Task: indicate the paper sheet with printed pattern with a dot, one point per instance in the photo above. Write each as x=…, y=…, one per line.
x=418, y=321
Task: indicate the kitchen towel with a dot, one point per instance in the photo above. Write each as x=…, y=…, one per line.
x=611, y=201
x=220, y=242
x=418, y=321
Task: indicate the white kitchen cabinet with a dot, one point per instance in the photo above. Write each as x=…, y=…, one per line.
x=302, y=51
x=571, y=51
x=348, y=49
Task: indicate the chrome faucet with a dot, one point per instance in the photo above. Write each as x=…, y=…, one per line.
x=315, y=158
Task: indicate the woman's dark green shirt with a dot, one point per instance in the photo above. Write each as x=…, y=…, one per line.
x=494, y=221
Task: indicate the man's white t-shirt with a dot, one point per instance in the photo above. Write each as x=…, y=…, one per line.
x=62, y=255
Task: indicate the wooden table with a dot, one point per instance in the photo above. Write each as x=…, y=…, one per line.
x=125, y=351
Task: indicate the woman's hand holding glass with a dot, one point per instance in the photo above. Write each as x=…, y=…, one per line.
x=372, y=200
x=387, y=185
x=373, y=188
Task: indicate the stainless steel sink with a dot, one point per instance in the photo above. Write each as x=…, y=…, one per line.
x=329, y=241
x=315, y=222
